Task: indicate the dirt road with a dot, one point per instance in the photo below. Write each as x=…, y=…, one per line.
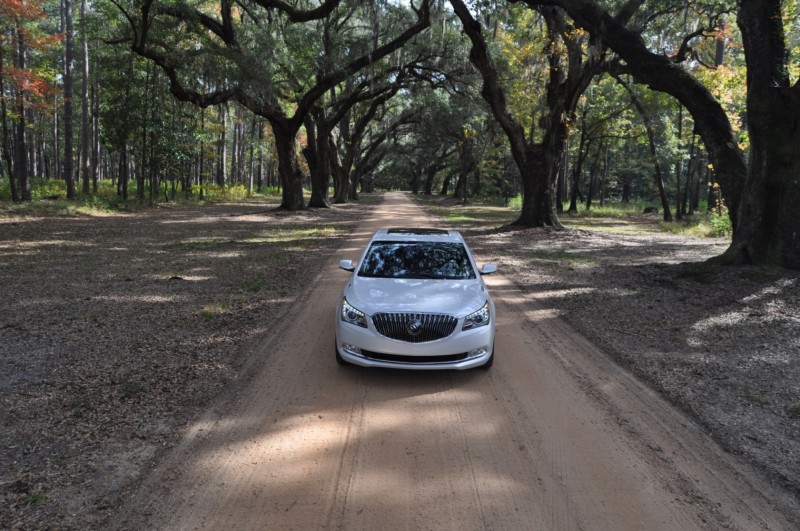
x=554, y=436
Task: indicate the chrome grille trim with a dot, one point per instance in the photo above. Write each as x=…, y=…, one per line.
x=396, y=326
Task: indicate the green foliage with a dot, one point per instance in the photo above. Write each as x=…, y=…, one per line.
x=49, y=190
x=708, y=225
x=49, y=197
x=615, y=209
x=5, y=190
x=720, y=224
x=34, y=497
x=214, y=192
x=515, y=202
x=165, y=137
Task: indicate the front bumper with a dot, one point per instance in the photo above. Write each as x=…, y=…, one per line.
x=461, y=350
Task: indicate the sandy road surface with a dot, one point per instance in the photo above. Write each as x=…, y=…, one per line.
x=554, y=436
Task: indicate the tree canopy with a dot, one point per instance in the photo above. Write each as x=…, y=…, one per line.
x=688, y=105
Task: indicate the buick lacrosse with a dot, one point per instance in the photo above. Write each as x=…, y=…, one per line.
x=416, y=300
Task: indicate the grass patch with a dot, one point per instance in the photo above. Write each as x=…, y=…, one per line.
x=633, y=226
x=613, y=217
x=34, y=497
x=289, y=235
x=710, y=225
x=256, y=286
x=211, y=311
x=237, y=192
x=49, y=198
x=793, y=411
x=461, y=218
x=470, y=214
x=613, y=210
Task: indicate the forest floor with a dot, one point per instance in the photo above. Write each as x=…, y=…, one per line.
x=117, y=331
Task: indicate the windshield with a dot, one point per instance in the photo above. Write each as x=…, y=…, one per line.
x=441, y=260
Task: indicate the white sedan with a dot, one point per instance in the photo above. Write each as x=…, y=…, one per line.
x=416, y=300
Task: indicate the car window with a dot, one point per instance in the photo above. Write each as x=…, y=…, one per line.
x=442, y=260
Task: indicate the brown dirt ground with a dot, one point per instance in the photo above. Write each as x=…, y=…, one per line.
x=116, y=331
x=722, y=343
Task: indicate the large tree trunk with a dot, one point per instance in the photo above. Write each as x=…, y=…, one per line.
x=769, y=227
x=355, y=183
x=430, y=174
x=539, y=192
x=343, y=174
x=352, y=145
x=291, y=176
x=317, y=155
x=416, y=180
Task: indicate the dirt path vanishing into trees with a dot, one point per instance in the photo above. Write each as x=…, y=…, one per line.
x=554, y=436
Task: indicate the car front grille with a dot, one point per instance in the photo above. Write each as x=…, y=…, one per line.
x=414, y=327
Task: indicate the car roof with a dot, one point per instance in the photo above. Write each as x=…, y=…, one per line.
x=423, y=234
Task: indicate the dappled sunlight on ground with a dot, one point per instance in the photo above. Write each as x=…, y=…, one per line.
x=766, y=307
x=138, y=298
x=721, y=342
x=135, y=320
x=295, y=454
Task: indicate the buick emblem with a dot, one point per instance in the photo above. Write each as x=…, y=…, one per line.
x=414, y=327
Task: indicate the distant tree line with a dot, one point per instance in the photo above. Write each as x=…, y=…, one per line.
x=568, y=103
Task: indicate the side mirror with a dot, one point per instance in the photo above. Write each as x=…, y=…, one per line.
x=488, y=269
x=347, y=265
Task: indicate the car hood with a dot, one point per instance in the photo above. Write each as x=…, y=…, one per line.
x=454, y=297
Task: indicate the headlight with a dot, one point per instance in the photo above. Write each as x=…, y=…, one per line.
x=353, y=315
x=477, y=319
